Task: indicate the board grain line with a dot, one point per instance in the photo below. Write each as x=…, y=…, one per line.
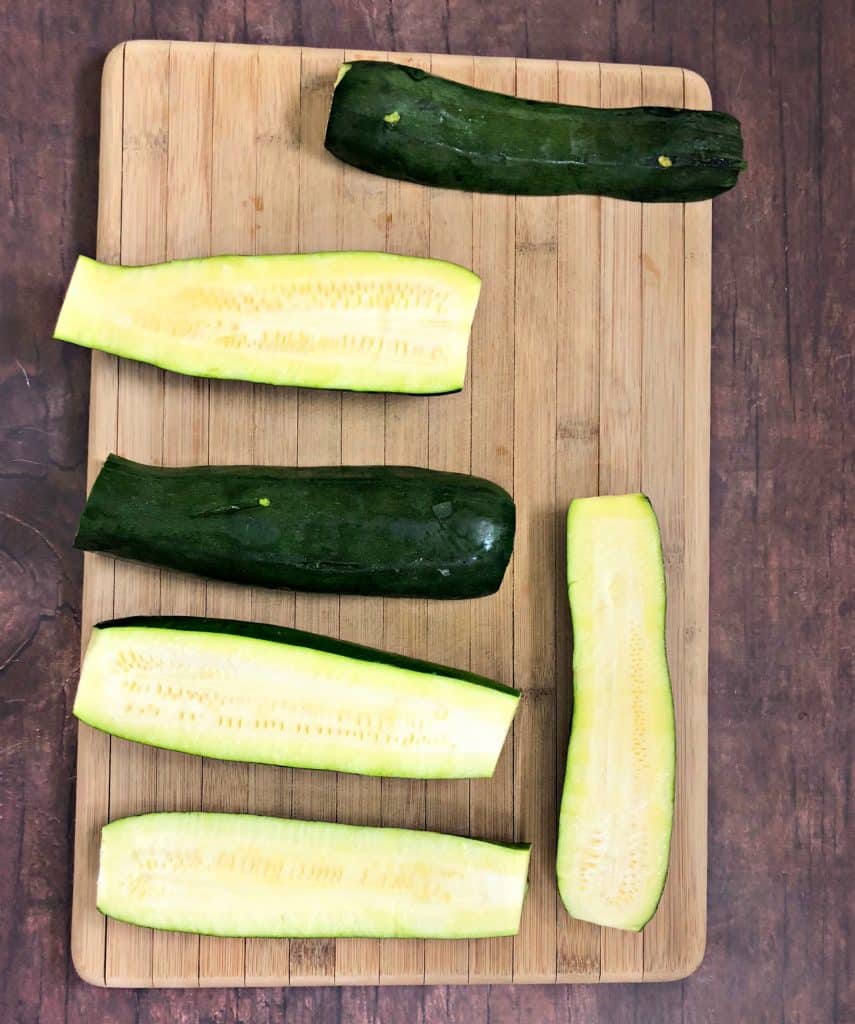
x=536, y=313
x=88, y=937
x=406, y=442
x=133, y=767
x=692, y=765
x=319, y=441
x=225, y=785
x=175, y=956
x=662, y=460
x=450, y=448
x=361, y=226
x=577, y=453
x=491, y=374
x=621, y=953
x=274, y=409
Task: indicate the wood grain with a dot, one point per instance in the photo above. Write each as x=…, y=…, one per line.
x=405, y=621
x=92, y=803
x=276, y=230
x=491, y=381
x=693, y=696
x=231, y=434
x=589, y=371
x=175, y=957
x=662, y=480
x=133, y=769
x=362, y=226
x=319, y=429
x=620, y=387
x=450, y=447
x=535, y=357
x=577, y=456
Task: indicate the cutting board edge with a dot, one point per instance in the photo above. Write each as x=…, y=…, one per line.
x=88, y=968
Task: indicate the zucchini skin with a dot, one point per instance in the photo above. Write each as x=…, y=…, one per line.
x=455, y=136
x=371, y=530
x=301, y=638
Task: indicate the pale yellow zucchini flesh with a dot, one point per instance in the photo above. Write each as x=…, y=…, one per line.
x=617, y=804
x=359, y=321
x=243, y=875
x=303, y=702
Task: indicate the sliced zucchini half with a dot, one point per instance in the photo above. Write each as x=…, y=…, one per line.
x=617, y=805
x=358, y=321
x=243, y=691
x=243, y=875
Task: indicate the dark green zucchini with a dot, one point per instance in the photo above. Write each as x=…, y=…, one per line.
x=381, y=530
x=404, y=123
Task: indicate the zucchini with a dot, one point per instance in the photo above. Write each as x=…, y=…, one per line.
x=385, y=530
x=244, y=875
x=244, y=691
x=404, y=123
x=617, y=806
x=359, y=321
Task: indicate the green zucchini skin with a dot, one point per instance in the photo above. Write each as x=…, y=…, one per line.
x=372, y=530
x=404, y=123
x=301, y=638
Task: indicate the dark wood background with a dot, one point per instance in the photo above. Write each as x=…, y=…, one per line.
x=781, y=697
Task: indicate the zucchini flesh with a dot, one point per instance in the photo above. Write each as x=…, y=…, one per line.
x=359, y=321
x=243, y=691
x=382, y=530
x=244, y=875
x=404, y=123
x=618, y=799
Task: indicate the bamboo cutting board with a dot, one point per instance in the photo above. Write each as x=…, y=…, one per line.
x=589, y=372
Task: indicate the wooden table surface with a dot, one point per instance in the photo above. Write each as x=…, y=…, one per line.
x=781, y=706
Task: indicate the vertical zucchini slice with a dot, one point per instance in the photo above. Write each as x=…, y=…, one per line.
x=243, y=691
x=617, y=806
x=243, y=875
x=358, y=321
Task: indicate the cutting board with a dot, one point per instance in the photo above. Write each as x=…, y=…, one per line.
x=589, y=372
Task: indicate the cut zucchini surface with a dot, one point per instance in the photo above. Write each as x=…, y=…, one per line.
x=359, y=321
x=242, y=875
x=617, y=804
x=244, y=691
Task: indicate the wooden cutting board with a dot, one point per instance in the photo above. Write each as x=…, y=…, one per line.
x=589, y=373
